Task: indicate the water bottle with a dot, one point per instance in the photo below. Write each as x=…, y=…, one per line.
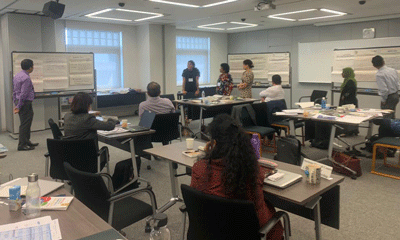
x=203, y=95
x=323, y=103
x=33, y=197
x=160, y=230
x=255, y=142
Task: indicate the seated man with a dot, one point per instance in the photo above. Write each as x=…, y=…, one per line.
x=154, y=103
x=275, y=92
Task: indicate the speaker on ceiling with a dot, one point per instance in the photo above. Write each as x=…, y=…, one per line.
x=54, y=10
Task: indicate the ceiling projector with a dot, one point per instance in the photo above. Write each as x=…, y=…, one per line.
x=264, y=5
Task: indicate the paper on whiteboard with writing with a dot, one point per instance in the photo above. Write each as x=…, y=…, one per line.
x=55, y=83
x=80, y=67
x=326, y=170
x=84, y=79
x=38, y=86
x=55, y=70
x=305, y=104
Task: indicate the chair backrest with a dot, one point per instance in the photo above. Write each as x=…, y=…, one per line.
x=273, y=107
x=245, y=118
x=169, y=96
x=57, y=134
x=166, y=126
x=244, y=114
x=213, y=217
x=318, y=95
x=81, y=154
x=90, y=189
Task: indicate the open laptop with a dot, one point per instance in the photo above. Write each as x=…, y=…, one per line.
x=145, y=122
x=288, y=179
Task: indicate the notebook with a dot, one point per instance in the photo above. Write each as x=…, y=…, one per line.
x=145, y=122
x=46, y=186
x=288, y=179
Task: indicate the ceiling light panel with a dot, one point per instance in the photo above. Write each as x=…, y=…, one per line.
x=195, y=3
x=307, y=14
x=127, y=15
x=221, y=26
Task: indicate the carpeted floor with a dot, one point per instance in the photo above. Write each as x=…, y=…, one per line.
x=370, y=205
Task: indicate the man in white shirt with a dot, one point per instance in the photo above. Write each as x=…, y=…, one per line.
x=387, y=80
x=275, y=92
x=154, y=103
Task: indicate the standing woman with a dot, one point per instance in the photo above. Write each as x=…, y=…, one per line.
x=190, y=82
x=247, y=79
x=348, y=95
x=224, y=83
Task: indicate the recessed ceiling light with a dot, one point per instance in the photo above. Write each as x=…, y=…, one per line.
x=192, y=5
x=279, y=16
x=95, y=15
x=242, y=25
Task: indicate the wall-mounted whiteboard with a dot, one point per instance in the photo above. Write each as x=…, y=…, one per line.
x=316, y=60
x=58, y=71
x=360, y=61
x=265, y=65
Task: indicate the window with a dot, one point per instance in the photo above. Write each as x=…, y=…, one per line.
x=196, y=49
x=107, y=49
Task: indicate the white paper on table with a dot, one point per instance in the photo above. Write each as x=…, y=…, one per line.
x=117, y=130
x=37, y=228
x=297, y=111
x=284, y=114
x=82, y=79
x=326, y=170
x=305, y=104
x=353, y=119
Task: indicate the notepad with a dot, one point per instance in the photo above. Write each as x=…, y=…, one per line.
x=46, y=186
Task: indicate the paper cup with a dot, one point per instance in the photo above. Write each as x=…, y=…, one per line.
x=124, y=123
x=189, y=143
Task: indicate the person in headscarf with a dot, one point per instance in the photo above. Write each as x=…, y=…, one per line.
x=348, y=95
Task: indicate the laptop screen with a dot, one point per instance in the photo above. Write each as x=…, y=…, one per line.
x=147, y=119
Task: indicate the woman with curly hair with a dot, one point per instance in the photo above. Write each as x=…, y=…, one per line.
x=231, y=170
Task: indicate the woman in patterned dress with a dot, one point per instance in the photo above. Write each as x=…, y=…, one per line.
x=224, y=83
x=247, y=79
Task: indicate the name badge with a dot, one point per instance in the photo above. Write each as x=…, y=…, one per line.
x=190, y=79
x=219, y=84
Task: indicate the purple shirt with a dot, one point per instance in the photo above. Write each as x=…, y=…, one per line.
x=23, y=89
x=157, y=105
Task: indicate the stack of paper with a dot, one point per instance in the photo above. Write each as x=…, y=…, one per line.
x=37, y=228
x=305, y=104
x=54, y=203
x=117, y=130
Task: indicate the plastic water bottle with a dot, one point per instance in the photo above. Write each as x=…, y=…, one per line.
x=33, y=197
x=203, y=95
x=160, y=230
x=255, y=142
x=323, y=103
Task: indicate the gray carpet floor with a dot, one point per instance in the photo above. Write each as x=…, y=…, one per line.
x=370, y=205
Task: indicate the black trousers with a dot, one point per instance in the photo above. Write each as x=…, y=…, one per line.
x=25, y=117
x=391, y=103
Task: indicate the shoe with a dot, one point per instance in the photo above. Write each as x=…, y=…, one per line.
x=25, y=148
x=31, y=144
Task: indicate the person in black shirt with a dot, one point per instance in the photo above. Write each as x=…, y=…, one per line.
x=190, y=82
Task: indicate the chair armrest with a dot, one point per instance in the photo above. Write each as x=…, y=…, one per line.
x=183, y=208
x=273, y=221
x=304, y=97
x=104, y=150
x=46, y=155
x=110, y=185
x=118, y=196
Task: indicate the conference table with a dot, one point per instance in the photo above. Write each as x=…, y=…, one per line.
x=213, y=105
x=321, y=203
x=78, y=221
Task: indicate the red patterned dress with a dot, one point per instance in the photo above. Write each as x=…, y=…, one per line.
x=224, y=84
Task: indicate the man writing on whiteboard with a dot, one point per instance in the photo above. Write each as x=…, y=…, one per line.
x=387, y=80
x=23, y=95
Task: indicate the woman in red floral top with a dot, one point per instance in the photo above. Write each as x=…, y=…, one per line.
x=224, y=83
x=231, y=170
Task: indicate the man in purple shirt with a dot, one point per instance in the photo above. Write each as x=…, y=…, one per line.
x=23, y=95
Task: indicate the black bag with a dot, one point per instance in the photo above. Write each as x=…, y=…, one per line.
x=289, y=150
x=322, y=135
x=123, y=174
x=368, y=143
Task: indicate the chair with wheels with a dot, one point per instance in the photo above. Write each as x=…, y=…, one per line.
x=213, y=217
x=246, y=115
x=118, y=209
x=316, y=96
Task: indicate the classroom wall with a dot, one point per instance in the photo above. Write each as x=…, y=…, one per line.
x=287, y=39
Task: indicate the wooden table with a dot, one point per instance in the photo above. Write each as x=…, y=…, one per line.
x=205, y=107
x=294, y=199
x=76, y=222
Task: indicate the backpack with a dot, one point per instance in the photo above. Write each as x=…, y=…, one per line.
x=123, y=174
x=289, y=150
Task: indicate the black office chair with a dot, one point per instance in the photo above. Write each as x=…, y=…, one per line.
x=81, y=154
x=167, y=127
x=316, y=96
x=169, y=96
x=250, y=125
x=212, y=217
x=118, y=209
x=57, y=134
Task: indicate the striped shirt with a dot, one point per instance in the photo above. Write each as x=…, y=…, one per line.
x=387, y=80
x=157, y=105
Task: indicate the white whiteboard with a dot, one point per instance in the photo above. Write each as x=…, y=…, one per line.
x=360, y=61
x=58, y=71
x=316, y=59
x=265, y=65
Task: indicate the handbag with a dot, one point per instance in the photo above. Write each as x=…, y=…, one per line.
x=347, y=161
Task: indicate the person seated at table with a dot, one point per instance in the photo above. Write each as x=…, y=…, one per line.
x=79, y=124
x=231, y=170
x=154, y=103
x=224, y=83
x=275, y=92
